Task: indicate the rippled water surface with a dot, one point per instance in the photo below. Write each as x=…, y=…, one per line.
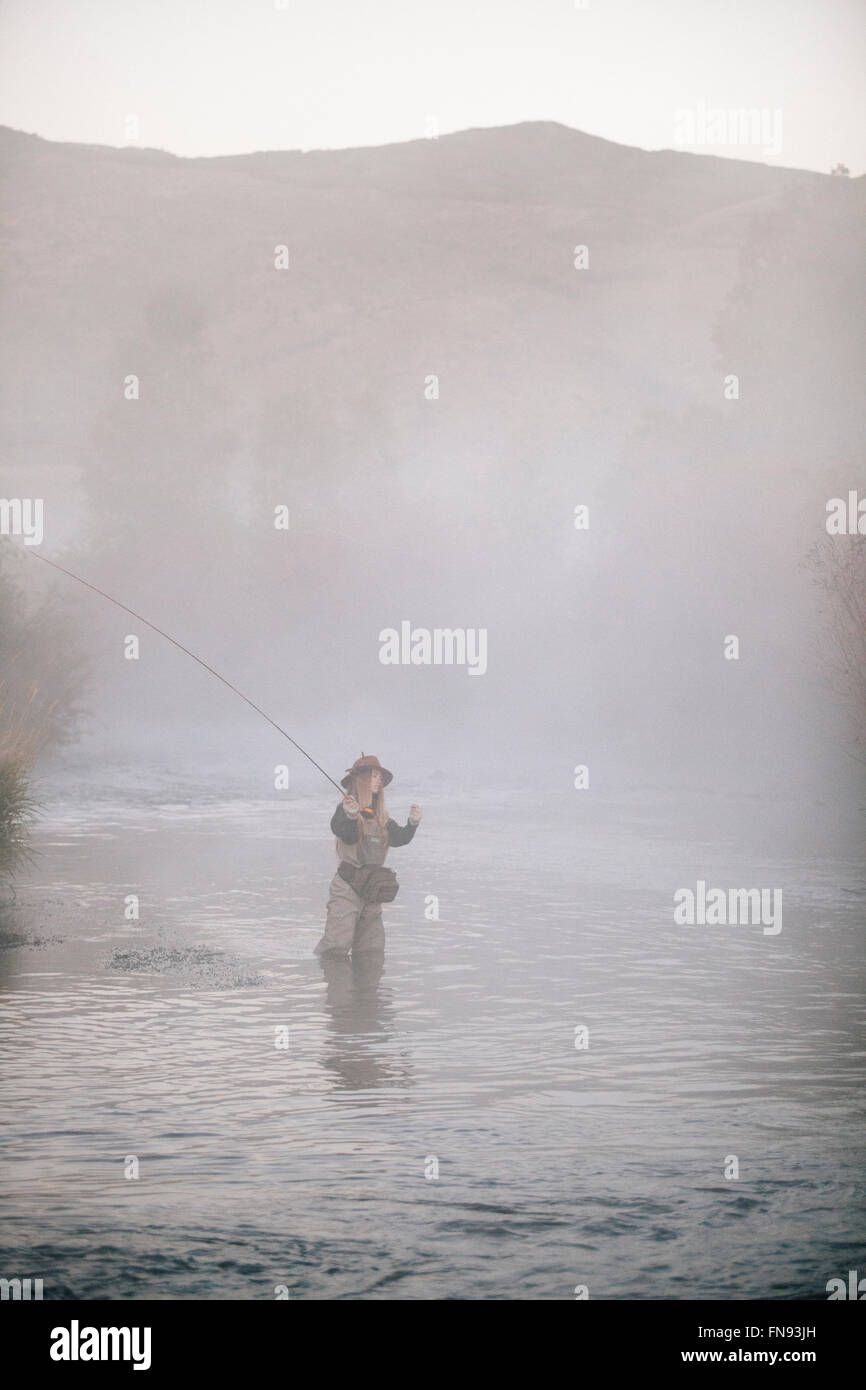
x=310, y=1166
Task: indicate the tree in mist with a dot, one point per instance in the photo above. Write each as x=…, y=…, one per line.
x=802, y=386
x=838, y=565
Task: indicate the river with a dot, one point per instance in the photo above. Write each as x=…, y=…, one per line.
x=196, y=1108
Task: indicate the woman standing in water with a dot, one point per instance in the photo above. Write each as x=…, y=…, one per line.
x=364, y=834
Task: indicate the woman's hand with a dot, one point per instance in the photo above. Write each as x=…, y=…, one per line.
x=415, y=814
x=350, y=805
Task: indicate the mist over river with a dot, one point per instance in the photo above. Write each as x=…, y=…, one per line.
x=481, y=393
x=314, y=1166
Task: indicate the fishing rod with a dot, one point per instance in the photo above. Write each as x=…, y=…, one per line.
x=138, y=617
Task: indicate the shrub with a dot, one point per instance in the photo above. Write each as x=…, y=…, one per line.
x=41, y=677
x=17, y=810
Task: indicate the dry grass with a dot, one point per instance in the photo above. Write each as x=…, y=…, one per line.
x=17, y=810
x=24, y=725
x=19, y=747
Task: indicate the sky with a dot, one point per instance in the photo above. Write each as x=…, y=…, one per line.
x=209, y=77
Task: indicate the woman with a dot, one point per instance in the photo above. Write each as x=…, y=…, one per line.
x=364, y=835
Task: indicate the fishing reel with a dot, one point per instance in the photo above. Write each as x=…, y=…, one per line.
x=367, y=812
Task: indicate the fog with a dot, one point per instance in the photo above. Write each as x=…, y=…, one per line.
x=570, y=414
x=311, y=388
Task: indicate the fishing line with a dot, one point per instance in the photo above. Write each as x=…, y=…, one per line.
x=77, y=577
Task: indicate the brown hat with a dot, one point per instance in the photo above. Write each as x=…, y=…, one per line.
x=366, y=763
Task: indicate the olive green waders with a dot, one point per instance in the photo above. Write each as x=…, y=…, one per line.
x=351, y=924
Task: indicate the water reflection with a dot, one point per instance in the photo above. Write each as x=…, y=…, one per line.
x=12, y=935
x=362, y=1052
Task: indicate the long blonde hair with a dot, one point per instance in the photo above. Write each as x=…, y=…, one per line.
x=360, y=789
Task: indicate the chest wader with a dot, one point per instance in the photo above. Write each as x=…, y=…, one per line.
x=352, y=924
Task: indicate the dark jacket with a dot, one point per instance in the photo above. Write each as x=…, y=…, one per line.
x=346, y=830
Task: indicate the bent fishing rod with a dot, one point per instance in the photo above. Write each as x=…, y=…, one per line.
x=138, y=617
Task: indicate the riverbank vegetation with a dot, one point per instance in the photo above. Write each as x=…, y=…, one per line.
x=41, y=678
